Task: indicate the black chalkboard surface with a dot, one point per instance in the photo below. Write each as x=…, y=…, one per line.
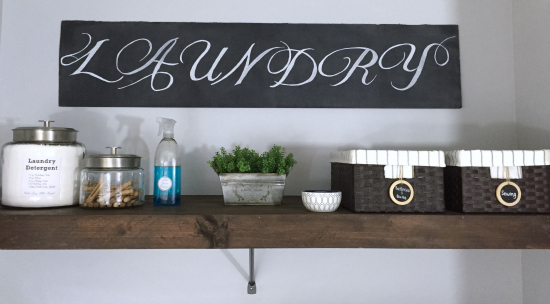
x=509, y=193
x=258, y=65
x=402, y=192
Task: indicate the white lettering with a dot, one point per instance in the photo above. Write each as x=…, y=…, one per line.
x=512, y=194
x=402, y=189
x=88, y=57
x=193, y=72
x=355, y=65
x=288, y=67
x=168, y=46
x=420, y=66
x=247, y=62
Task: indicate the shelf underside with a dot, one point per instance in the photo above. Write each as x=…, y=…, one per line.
x=205, y=222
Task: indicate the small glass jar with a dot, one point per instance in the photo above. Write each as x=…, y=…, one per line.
x=41, y=167
x=112, y=181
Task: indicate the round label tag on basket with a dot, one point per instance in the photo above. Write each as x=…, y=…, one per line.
x=508, y=193
x=401, y=192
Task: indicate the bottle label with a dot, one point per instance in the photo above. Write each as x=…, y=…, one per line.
x=40, y=176
x=165, y=183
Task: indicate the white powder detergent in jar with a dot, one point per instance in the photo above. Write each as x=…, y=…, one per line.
x=41, y=167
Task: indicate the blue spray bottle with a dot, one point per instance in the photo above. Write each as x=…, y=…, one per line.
x=167, y=168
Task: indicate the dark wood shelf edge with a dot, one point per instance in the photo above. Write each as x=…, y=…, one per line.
x=204, y=222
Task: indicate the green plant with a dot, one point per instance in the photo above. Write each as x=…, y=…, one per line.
x=244, y=160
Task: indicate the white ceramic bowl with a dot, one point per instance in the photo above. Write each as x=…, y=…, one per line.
x=321, y=200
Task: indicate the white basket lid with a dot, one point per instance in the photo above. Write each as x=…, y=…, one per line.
x=497, y=158
x=390, y=157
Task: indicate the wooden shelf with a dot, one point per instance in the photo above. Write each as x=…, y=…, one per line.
x=205, y=222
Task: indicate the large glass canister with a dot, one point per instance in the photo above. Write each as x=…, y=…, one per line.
x=41, y=167
x=112, y=181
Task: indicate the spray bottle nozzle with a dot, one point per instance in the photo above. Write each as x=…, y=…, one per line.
x=166, y=127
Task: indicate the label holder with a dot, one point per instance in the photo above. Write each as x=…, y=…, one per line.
x=501, y=187
x=399, y=182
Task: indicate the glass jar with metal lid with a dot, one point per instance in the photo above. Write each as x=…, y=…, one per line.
x=40, y=167
x=112, y=181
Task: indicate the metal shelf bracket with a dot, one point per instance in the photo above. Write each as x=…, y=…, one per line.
x=251, y=283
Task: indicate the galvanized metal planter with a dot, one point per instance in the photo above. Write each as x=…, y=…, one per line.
x=252, y=188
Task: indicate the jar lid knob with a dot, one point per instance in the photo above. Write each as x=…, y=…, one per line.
x=46, y=123
x=114, y=150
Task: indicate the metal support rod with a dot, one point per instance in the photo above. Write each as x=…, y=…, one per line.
x=251, y=283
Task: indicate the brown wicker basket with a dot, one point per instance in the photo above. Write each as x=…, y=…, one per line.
x=365, y=189
x=472, y=190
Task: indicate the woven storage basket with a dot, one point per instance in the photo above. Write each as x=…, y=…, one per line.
x=365, y=188
x=471, y=189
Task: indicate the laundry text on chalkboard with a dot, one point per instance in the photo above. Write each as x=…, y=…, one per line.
x=366, y=58
x=182, y=64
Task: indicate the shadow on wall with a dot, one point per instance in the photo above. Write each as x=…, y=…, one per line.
x=489, y=276
x=133, y=143
x=492, y=137
x=94, y=132
x=533, y=139
x=313, y=168
x=231, y=258
x=98, y=134
x=486, y=276
x=487, y=75
x=6, y=126
x=536, y=275
x=466, y=137
x=311, y=172
x=199, y=178
x=6, y=134
x=196, y=175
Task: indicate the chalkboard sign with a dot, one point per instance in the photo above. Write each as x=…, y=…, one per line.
x=401, y=192
x=508, y=193
x=258, y=65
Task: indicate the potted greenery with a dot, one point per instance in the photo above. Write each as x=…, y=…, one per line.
x=248, y=178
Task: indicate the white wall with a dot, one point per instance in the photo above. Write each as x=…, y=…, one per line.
x=532, y=75
x=28, y=92
x=283, y=276
x=1, y=5
x=535, y=266
x=532, y=72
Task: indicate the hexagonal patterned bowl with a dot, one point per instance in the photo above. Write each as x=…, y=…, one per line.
x=321, y=200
